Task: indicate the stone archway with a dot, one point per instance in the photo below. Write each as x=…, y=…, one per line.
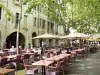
x=33, y=40
x=11, y=40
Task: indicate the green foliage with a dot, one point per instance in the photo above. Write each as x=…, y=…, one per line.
x=83, y=15
x=8, y=13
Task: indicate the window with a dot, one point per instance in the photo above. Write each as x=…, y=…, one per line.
x=40, y=22
x=17, y=19
x=0, y=12
x=57, y=29
x=35, y=20
x=52, y=26
x=25, y=21
x=48, y=26
x=43, y=23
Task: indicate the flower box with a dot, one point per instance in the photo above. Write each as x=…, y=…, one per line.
x=21, y=72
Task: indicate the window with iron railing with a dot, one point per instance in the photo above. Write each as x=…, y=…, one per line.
x=17, y=19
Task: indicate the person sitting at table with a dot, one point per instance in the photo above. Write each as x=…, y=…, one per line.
x=12, y=50
x=43, y=47
x=68, y=51
x=19, y=49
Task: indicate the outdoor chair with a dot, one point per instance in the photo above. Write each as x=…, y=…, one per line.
x=36, y=57
x=65, y=64
x=18, y=58
x=86, y=51
x=58, y=52
x=71, y=60
x=26, y=56
x=30, y=70
x=79, y=54
x=3, y=62
x=55, y=70
x=48, y=55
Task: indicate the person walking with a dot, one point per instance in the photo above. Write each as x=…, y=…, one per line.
x=43, y=47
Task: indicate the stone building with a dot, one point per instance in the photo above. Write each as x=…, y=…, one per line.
x=31, y=25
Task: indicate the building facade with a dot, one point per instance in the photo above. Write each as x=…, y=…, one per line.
x=31, y=25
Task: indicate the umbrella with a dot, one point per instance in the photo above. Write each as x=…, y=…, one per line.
x=46, y=36
x=76, y=35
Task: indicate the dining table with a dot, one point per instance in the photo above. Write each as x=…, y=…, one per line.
x=4, y=71
x=58, y=57
x=43, y=64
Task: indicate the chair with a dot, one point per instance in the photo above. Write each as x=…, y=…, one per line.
x=48, y=55
x=36, y=57
x=58, y=52
x=26, y=56
x=65, y=64
x=30, y=70
x=79, y=54
x=55, y=70
x=18, y=58
x=71, y=59
x=3, y=62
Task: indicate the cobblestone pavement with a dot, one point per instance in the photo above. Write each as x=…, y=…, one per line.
x=87, y=66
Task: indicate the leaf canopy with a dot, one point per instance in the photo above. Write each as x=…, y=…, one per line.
x=8, y=13
x=82, y=15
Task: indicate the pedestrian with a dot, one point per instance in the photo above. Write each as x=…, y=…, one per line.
x=43, y=47
x=12, y=50
x=20, y=50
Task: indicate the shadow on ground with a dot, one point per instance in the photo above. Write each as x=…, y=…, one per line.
x=87, y=66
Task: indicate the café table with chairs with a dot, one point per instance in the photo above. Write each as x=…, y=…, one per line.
x=43, y=64
x=58, y=57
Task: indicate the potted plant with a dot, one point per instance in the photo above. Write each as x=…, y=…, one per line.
x=20, y=69
x=18, y=66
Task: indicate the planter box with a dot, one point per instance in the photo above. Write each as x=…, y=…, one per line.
x=21, y=72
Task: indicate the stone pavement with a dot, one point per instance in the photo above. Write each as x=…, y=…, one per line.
x=87, y=66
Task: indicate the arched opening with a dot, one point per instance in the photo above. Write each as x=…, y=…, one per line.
x=11, y=40
x=33, y=40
